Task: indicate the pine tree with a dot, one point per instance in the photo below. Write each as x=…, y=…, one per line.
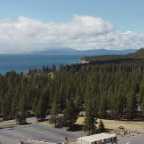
x=90, y=120
x=54, y=112
x=70, y=114
x=21, y=114
x=131, y=101
x=101, y=127
x=42, y=104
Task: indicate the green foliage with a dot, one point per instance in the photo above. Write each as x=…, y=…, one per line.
x=102, y=90
x=101, y=127
x=138, y=56
x=70, y=114
x=54, y=112
x=90, y=120
x=20, y=118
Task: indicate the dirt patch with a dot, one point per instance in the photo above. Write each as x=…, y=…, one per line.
x=125, y=127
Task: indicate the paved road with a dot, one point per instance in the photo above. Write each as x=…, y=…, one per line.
x=36, y=132
x=139, y=139
x=40, y=132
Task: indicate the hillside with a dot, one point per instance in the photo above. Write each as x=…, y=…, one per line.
x=138, y=54
x=136, y=57
x=91, y=52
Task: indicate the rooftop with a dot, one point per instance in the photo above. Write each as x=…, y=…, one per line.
x=97, y=137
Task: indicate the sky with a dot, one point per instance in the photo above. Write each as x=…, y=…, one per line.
x=37, y=25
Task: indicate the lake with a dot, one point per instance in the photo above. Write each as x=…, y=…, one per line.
x=22, y=63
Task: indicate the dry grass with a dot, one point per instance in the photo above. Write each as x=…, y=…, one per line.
x=114, y=124
x=47, y=124
x=12, y=123
x=109, y=124
x=7, y=124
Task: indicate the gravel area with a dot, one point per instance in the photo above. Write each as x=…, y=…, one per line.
x=35, y=132
x=52, y=135
x=138, y=139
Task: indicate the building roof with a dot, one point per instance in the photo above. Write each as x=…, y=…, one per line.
x=38, y=142
x=97, y=137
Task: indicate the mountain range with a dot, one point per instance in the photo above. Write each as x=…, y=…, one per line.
x=131, y=57
x=92, y=52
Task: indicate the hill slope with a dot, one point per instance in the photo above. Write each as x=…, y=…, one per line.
x=92, y=52
x=137, y=56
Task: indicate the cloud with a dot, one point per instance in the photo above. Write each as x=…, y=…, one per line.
x=24, y=35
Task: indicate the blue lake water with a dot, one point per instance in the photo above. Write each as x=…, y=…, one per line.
x=21, y=63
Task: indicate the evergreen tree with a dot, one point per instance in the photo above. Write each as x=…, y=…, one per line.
x=90, y=120
x=54, y=112
x=41, y=109
x=101, y=127
x=70, y=114
x=21, y=113
x=113, y=90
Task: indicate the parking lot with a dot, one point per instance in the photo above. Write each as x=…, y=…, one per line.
x=35, y=132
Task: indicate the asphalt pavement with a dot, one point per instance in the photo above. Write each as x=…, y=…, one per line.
x=35, y=132
x=52, y=135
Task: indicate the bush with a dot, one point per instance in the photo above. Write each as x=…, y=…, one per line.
x=101, y=127
x=20, y=119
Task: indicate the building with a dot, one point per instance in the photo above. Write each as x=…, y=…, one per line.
x=84, y=62
x=102, y=138
x=36, y=142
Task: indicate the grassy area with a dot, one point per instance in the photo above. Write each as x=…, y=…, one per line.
x=114, y=124
x=47, y=124
x=12, y=123
x=7, y=124
x=109, y=124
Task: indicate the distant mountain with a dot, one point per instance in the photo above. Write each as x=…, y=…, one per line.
x=59, y=51
x=98, y=52
x=121, y=57
x=139, y=54
x=93, y=52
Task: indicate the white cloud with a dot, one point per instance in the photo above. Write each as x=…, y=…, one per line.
x=82, y=32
